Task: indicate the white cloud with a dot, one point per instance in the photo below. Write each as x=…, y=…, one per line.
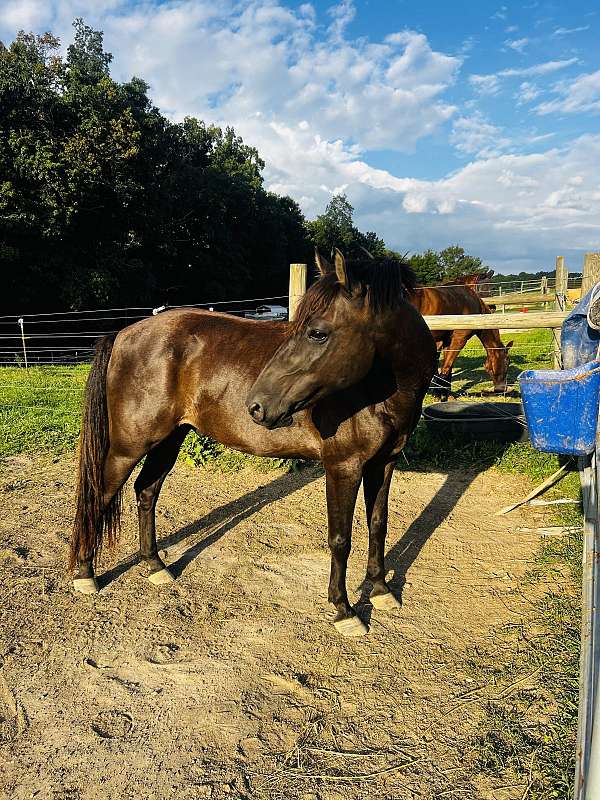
x=315, y=101
x=578, y=96
x=527, y=93
x=342, y=15
x=518, y=45
x=567, y=31
x=492, y=84
x=21, y=14
x=538, y=69
x=485, y=84
x=505, y=207
x=217, y=63
x=477, y=136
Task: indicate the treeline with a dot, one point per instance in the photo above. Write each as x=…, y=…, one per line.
x=105, y=202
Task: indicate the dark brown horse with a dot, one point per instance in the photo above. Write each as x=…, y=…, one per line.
x=342, y=384
x=459, y=297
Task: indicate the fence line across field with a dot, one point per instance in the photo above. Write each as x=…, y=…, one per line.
x=71, y=317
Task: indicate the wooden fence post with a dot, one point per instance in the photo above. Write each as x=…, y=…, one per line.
x=591, y=272
x=561, y=284
x=20, y=323
x=544, y=288
x=297, y=288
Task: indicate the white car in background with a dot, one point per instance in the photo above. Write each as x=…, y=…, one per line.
x=268, y=312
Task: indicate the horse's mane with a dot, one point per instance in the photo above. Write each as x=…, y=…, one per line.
x=386, y=281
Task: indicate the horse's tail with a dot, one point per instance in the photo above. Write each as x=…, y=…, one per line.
x=92, y=520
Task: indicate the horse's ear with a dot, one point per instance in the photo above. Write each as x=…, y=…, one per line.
x=509, y=345
x=340, y=269
x=322, y=264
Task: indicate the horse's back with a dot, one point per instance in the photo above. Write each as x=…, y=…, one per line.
x=435, y=300
x=194, y=367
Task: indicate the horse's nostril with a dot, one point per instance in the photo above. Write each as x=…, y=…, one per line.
x=256, y=411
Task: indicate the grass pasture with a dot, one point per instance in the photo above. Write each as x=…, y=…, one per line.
x=40, y=408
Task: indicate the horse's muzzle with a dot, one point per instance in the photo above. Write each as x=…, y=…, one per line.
x=256, y=411
x=260, y=414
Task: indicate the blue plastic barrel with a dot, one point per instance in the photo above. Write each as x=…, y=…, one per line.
x=561, y=407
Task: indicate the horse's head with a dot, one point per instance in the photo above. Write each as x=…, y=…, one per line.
x=331, y=343
x=496, y=364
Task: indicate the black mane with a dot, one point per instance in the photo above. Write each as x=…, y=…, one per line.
x=385, y=280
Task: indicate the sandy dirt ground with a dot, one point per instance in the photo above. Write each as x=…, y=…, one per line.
x=232, y=682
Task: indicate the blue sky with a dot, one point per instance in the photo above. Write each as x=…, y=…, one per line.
x=464, y=122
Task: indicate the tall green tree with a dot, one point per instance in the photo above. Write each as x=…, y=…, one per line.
x=335, y=228
x=449, y=264
x=105, y=201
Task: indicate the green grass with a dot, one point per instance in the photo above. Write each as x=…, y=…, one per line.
x=531, y=350
x=528, y=737
x=40, y=412
x=40, y=408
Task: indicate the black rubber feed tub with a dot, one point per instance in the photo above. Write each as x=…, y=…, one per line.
x=496, y=422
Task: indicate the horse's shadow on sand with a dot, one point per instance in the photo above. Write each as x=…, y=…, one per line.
x=220, y=521
x=402, y=555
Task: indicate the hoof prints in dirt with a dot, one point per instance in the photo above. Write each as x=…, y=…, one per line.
x=164, y=653
x=13, y=720
x=237, y=685
x=112, y=725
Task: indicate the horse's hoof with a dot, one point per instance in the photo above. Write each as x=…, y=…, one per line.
x=86, y=585
x=351, y=626
x=385, y=602
x=161, y=578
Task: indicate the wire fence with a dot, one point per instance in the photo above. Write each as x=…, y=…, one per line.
x=68, y=337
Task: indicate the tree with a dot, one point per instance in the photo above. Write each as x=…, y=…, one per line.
x=455, y=263
x=446, y=265
x=335, y=228
x=103, y=200
x=427, y=267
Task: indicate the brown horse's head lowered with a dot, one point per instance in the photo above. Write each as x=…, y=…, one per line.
x=333, y=340
x=497, y=363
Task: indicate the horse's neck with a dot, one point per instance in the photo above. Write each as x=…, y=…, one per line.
x=490, y=339
x=395, y=343
x=416, y=297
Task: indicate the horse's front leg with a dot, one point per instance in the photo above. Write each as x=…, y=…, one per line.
x=342, y=482
x=457, y=342
x=377, y=477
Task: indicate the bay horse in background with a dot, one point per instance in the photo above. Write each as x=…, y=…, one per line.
x=343, y=384
x=459, y=296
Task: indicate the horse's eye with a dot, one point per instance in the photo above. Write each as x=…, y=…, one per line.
x=317, y=335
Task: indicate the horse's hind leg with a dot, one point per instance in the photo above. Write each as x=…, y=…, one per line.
x=117, y=468
x=376, y=486
x=159, y=462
